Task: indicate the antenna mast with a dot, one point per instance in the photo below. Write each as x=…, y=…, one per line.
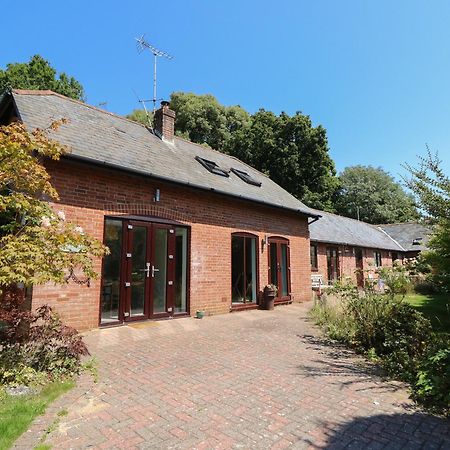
x=142, y=45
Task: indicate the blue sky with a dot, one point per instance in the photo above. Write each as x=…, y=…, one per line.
x=375, y=74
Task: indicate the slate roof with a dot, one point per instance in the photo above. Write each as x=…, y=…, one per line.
x=406, y=233
x=99, y=136
x=332, y=228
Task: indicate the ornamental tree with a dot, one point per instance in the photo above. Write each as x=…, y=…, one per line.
x=37, y=244
x=432, y=189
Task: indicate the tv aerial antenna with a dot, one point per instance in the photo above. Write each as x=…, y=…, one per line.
x=143, y=102
x=142, y=45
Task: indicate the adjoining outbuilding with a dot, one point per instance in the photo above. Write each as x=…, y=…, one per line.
x=412, y=236
x=347, y=248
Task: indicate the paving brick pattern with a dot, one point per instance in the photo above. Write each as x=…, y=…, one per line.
x=254, y=379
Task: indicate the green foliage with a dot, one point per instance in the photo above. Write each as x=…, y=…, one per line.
x=202, y=119
x=396, y=278
x=379, y=198
x=140, y=116
x=37, y=244
x=432, y=188
x=48, y=347
x=289, y=149
x=392, y=332
x=17, y=413
x=39, y=74
x=292, y=152
x=436, y=307
x=20, y=374
x=432, y=385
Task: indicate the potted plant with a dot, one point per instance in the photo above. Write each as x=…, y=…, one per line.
x=270, y=293
x=199, y=314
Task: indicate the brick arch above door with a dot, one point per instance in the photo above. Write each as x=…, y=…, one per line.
x=144, y=209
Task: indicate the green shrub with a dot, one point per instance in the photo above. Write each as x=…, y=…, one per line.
x=389, y=330
x=426, y=287
x=406, y=336
x=396, y=279
x=338, y=325
x=20, y=375
x=48, y=347
x=432, y=384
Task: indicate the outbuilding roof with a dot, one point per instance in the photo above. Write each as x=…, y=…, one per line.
x=100, y=137
x=332, y=228
x=412, y=236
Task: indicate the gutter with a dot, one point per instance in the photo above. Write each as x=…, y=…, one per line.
x=192, y=185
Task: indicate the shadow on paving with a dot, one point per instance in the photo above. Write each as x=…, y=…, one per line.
x=386, y=431
x=339, y=361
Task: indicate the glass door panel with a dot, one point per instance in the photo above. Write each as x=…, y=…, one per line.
x=159, y=270
x=283, y=270
x=111, y=272
x=139, y=271
x=250, y=269
x=273, y=264
x=279, y=266
x=237, y=272
x=181, y=243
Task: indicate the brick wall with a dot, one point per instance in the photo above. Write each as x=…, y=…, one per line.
x=347, y=261
x=88, y=193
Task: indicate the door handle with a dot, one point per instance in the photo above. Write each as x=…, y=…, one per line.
x=154, y=269
x=146, y=270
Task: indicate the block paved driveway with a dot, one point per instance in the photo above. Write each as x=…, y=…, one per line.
x=253, y=379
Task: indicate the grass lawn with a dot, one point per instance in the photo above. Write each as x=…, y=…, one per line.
x=435, y=307
x=17, y=413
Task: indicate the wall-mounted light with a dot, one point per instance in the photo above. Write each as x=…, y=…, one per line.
x=264, y=241
x=157, y=196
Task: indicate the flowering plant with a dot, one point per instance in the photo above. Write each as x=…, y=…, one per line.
x=271, y=287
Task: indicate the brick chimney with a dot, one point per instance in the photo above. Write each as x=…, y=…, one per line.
x=165, y=122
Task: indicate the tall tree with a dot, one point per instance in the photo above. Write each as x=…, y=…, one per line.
x=374, y=195
x=292, y=152
x=432, y=188
x=39, y=74
x=289, y=149
x=202, y=119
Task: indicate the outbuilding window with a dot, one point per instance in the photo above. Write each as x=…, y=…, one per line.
x=313, y=255
x=377, y=258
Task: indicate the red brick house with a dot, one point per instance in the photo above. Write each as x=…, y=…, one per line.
x=342, y=248
x=189, y=228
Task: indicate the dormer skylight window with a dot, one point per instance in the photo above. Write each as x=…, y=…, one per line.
x=212, y=167
x=244, y=176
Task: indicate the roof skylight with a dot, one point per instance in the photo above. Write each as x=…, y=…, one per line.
x=246, y=177
x=212, y=167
